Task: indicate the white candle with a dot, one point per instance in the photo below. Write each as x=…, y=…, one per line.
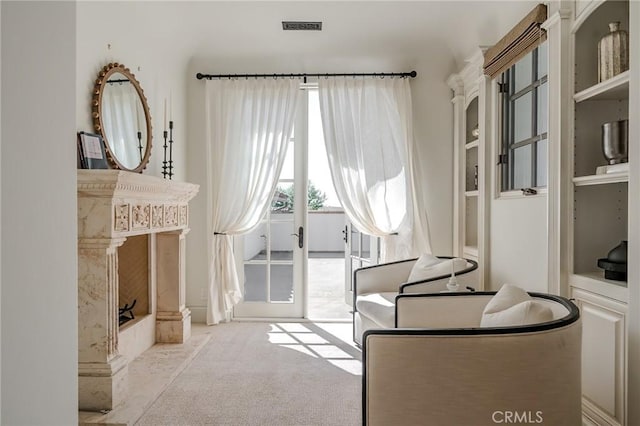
x=139, y=122
x=452, y=270
x=170, y=105
x=165, y=114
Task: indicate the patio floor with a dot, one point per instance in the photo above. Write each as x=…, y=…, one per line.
x=326, y=289
x=326, y=284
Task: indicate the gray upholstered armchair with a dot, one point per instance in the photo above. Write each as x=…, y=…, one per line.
x=439, y=367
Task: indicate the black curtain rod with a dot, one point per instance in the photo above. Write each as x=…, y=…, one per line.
x=411, y=74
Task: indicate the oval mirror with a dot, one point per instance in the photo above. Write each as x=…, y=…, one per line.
x=121, y=116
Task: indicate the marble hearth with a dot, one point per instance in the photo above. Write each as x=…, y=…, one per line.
x=131, y=228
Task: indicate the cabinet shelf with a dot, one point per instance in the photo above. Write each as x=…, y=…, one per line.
x=601, y=179
x=470, y=252
x=596, y=283
x=598, y=212
x=471, y=115
x=614, y=88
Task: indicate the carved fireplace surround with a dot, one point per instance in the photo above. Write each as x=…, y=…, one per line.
x=152, y=213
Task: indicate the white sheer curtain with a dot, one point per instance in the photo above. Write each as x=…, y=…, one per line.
x=368, y=132
x=121, y=120
x=249, y=123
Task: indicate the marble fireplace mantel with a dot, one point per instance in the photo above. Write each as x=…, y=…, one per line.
x=114, y=206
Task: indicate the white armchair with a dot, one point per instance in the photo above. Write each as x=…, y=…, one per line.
x=376, y=287
x=439, y=367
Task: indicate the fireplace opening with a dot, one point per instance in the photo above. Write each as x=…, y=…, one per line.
x=133, y=275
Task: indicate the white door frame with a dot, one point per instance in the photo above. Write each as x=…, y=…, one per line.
x=355, y=257
x=298, y=307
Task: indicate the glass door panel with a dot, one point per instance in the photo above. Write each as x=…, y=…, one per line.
x=362, y=250
x=281, y=283
x=273, y=267
x=255, y=265
x=281, y=253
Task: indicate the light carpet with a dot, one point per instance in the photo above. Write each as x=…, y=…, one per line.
x=263, y=373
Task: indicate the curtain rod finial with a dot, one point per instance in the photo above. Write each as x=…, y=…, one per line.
x=199, y=76
x=413, y=74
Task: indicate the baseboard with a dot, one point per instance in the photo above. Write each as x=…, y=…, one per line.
x=198, y=314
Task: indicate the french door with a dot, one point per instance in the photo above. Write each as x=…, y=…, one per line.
x=361, y=250
x=272, y=259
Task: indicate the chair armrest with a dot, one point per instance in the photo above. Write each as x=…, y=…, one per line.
x=440, y=310
x=467, y=277
x=432, y=285
x=386, y=277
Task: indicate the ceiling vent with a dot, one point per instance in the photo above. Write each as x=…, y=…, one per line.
x=301, y=26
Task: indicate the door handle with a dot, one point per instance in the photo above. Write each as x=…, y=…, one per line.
x=300, y=236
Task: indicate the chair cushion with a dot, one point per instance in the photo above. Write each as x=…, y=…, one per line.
x=508, y=296
x=429, y=266
x=378, y=307
x=424, y=262
x=512, y=306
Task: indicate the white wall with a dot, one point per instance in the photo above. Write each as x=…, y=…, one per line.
x=433, y=133
x=324, y=231
x=139, y=35
x=0, y=219
x=38, y=198
x=518, y=243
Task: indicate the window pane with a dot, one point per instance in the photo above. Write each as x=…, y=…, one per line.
x=287, y=167
x=282, y=283
x=471, y=171
x=542, y=60
x=522, y=167
x=523, y=75
x=356, y=264
x=524, y=122
x=281, y=243
x=541, y=158
x=319, y=172
x=355, y=242
x=364, y=242
x=543, y=108
x=255, y=244
x=255, y=283
x=282, y=201
x=522, y=118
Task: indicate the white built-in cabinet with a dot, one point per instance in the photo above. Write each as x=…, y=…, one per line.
x=599, y=216
x=470, y=105
x=590, y=213
x=604, y=355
